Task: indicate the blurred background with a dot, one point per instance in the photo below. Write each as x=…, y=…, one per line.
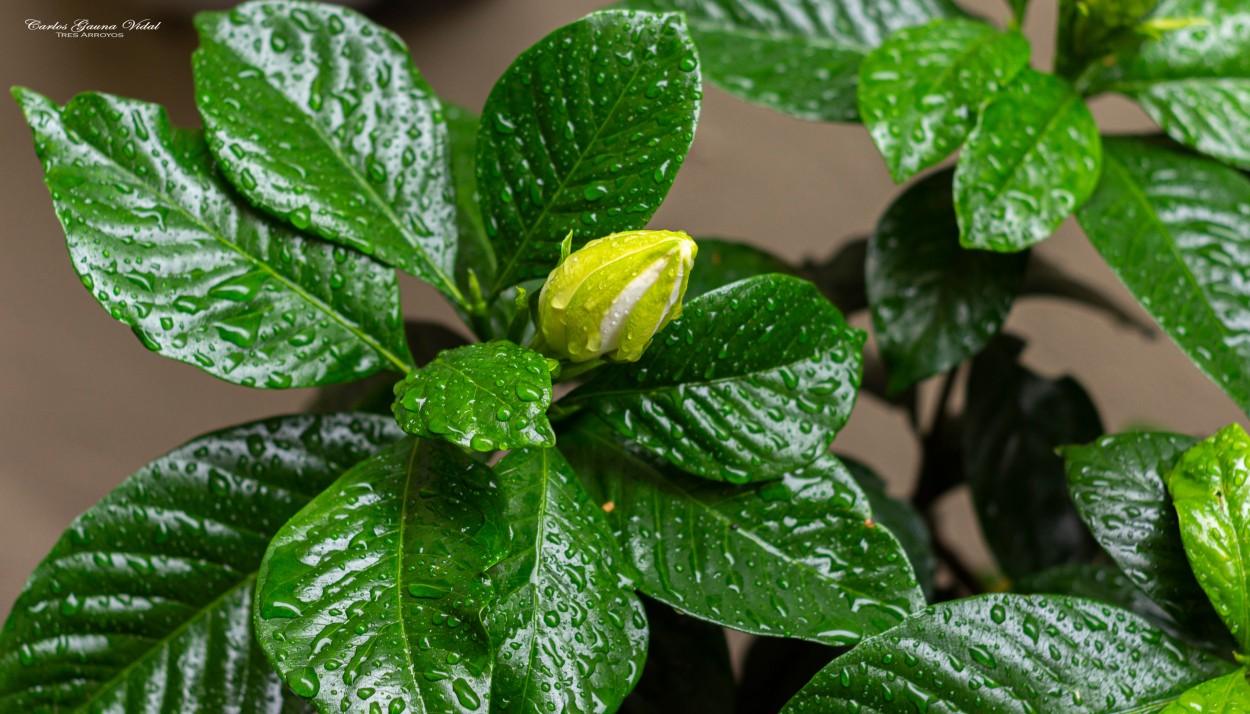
x=83, y=404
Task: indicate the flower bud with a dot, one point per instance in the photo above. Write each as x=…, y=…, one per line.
x=611, y=297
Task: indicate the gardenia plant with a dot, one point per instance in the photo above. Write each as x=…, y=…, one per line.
x=634, y=453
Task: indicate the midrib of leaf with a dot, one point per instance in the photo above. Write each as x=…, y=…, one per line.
x=443, y=281
x=294, y=287
x=540, y=532
x=506, y=274
x=399, y=574
x=210, y=607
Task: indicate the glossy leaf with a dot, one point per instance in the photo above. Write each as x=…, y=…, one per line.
x=475, y=252
x=920, y=91
x=485, y=396
x=1180, y=247
x=1229, y=694
x=1117, y=486
x=585, y=133
x=1210, y=489
x=1105, y=583
x=799, y=557
x=900, y=518
x=800, y=57
x=169, y=250
x=1194, y=80
x=1013, y=422
x=370, y=597
x=318, y=116
x=721, y=262
x=934, y=304
x=568, y=635
x=1033, y=158
x=688, y=670
x=145, y=603
x=753, y=381
x=1011, y=654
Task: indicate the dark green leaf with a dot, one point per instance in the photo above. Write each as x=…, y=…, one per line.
x=168, y=249
x=1011, y=654
x=585, y=133
x=1105, y=583
x=371, y=596
x=318, y=116
x=722, y=262
x=799, y=557
x=1210, y=487
x=1117, y=485
x=1032, y=159
x=688, y=670
x=475, y=252
x=1013, y=422
x=920, y=92
x=901, y=519
x=754, y=380
x=1195, y=80
x=486, y=396
x=1018, y=9
x=800, y=57
x=1090, y=30
x=567, y=634
x=1229, y=694
x=934, y=304
x=841, y=277
x=1180, y=247
x=145, y=604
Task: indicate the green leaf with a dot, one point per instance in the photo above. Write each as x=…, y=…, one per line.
x=934, y=304
x=568, y=634
x=585, y=133
x=800, y=57
x=1194, y=80
x=688, y=670
x=1229, y=694
x=1011, y=654
x=900, y=518
x=475, y=252
x=1013, y=422
x=1033, y=158
x=1179, y=247
x=1090, y=30
x=1117, y=486
x=371, y=596
x=722, y=262
x=485, y=396
x=317, y=115
x=1105, y=583
x=165, y=246
x=145, y=603
x=753, y=381
x=1212, y=497
x=920, y=91
x=799, y=557
x=841, y=277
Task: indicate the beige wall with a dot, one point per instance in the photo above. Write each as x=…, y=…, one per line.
x=84, y=404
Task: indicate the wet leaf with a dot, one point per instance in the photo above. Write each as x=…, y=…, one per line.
x=1033, y=158
x=921, y=91
x=145, y=603
x=318, y=116
x=1117, y=486
x=475, y=252
x=568, y=633
x=1011, y=654
x=486, y=396
x=754, y=380
x=722, y=262
x=1194, y=80
x=1013, y=422
x=934, y=303
x=800, y=57
x=371, y=596
x=1212, y=497
x=1229, y=694
x=800, y=557
x=168, y=249
x=585, y=133
x=688, y=670
x=900, y=518
x=1105, y=583
x=1180, y=247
